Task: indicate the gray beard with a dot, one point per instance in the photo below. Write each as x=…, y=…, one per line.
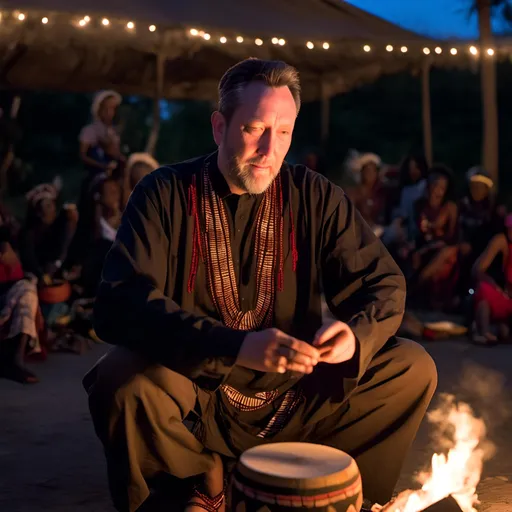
x=241, y=177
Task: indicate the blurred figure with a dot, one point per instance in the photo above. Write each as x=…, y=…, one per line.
x=100, y=144
x=435, y=256
x=137, y=166
x=18, y=314
x=47, y=232
x=370, y=195
x=479, y=220
x=493, y=302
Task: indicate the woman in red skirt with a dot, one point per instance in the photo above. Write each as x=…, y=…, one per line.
x=493, y=299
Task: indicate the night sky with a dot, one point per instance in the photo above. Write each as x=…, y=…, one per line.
x=435, y=18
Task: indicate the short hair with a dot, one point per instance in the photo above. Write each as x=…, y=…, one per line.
x=273, y=73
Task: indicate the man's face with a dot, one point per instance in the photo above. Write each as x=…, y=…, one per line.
x=108, y=109
x=258, y=136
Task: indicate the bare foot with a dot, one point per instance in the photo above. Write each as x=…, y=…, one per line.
x=213, y=499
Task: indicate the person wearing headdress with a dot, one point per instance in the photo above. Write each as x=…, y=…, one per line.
x=137, y=166
x=212, y=291
x=47, y=232
x=480, y=218
x=369, y=195
x=100, y=144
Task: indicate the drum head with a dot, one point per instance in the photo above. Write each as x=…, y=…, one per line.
x=295, y=460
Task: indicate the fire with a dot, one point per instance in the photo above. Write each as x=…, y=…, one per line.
x=455, y=473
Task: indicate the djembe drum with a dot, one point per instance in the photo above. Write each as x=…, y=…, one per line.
x=284, y=477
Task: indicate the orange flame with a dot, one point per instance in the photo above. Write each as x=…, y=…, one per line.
x=456, y=473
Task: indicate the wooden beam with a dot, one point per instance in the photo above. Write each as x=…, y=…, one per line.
x=427, y=111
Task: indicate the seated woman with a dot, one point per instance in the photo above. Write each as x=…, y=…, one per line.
x=492, y=301
x=137, y=166
x=370, y=195
x=47, y=233
x=479, y=220
x=435, y=255
x=18, y=314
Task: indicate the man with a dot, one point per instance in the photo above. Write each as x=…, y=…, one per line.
x=213, y=292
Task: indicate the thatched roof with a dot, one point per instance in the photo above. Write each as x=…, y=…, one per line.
x=62, y=55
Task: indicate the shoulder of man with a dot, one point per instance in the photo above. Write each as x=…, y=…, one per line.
x=314, y=185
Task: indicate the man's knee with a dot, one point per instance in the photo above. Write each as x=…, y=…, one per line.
x=417, y=363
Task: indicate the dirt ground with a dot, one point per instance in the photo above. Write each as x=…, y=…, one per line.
x=50, y=459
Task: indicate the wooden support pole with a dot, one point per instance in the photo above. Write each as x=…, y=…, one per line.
x=159, y=90
x=426, y=111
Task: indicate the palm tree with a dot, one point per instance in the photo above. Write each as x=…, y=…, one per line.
x=490, y=148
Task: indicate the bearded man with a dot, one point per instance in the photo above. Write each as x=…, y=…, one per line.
x=213, y=293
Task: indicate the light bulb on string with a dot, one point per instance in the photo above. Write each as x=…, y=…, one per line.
x=438, y=50
x=310, y=45
x=389, y=48
x=258, y=42
x=87, y=19
x=326, y=46
x=105, y=22
x=194, y=32
x=130, y=25
x=367, y=48
x=404, y=49
x=44, y=21
x=275, y=40
x=239, y=39
x=453, y=51
x=473, y=50
x=281, y=42
x=82, y=23
x=490, y=52
x=426, y=51
x=21, y=17
x=206, y=37
x=223, y=40
x=152, y=28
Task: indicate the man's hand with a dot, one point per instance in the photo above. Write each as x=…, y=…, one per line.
x=336, y=342
x=271, y=350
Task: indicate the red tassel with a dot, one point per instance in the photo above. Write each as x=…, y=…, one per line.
x=280, y=274
x=196, y=241
x=293, y=241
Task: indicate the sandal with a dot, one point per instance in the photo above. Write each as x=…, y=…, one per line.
x=210, y=504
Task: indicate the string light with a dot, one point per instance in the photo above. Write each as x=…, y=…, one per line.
x=367, y=48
